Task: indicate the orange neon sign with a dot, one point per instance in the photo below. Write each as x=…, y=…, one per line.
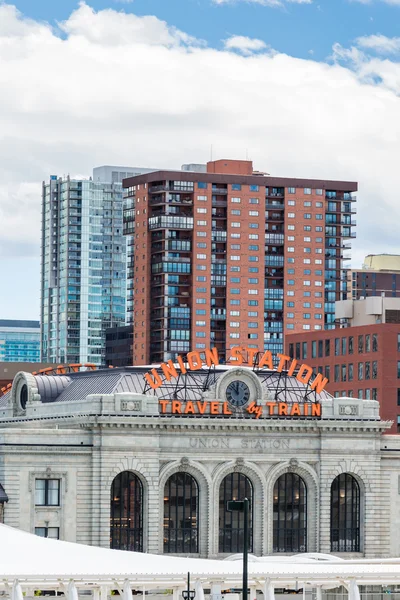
x=213, y=407
x=194, y=362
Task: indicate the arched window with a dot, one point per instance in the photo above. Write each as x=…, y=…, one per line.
x=345, y=514
x=234, y=486
x=290, y=514
x=181, y=514
x=126, y=522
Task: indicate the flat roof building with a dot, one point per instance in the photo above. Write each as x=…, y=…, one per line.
x=361, y=358
x=380, y=274
x=232, y=256
x=19, y=340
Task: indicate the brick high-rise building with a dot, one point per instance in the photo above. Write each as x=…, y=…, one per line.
x=230, y=257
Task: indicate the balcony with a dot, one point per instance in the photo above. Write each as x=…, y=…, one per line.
x=217, y=190
x=274, y=238
x=170, y=222
x=275, y=206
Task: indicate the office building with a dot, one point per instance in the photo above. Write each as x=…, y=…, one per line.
x=83, y=268
x=380, y=274
x=361, y=358
x=152, y=471
x=19, y=341
x=231, y=256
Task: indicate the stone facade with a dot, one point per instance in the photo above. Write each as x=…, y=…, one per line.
x=87, y=443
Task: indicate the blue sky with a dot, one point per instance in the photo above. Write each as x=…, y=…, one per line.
x=300, y=30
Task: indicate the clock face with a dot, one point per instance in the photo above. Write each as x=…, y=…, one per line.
x=237, y=393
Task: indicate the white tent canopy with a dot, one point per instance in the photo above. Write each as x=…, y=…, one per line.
x=29, y=562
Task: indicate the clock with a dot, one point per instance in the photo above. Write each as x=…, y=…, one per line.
x=237, y=393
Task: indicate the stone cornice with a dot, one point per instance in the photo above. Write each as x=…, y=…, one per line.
x=168, y=424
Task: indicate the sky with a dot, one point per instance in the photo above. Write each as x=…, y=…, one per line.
x=304, y=88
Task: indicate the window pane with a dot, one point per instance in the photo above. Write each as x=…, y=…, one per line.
x=40, y=492
x=53, y=495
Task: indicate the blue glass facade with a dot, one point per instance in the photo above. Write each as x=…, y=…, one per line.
x=83, y=269
x=19, y=341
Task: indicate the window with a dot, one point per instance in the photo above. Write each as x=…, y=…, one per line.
x=307, y=215
x=367, y=370
x=202, y=210
x=253, y=247
x=291, y=215
x=351, y=344
x=235, y=211
x=307, y=227
x=344, y=372
x=253, y=236
x=290, y=238
x=336, y=373
x=290, y=315
x=126, y=512
x=291, y=190
x=374, y=369
x=367, y=343
x=202, y=198
x=202, y=185
x=307, y=191
x=289, y=514
x=345, y=514
x=351, y=371
x=360, y=344
x=231, y=523
x=320, y=348
x=374, y=342
x=318, y=192
x=235, y=224
x=202, y=223
x=235, y=200
x=337, y=346
x=307, y=204
x=327, y=347
x=291, y=203
x=236, y=187
x=181, y=522
x=253, y=201
x=47, y=492
x=253, y=188
x=253, y=213
x=360, y=371
x=304, y=350
x=48, y=532
x=290, y=249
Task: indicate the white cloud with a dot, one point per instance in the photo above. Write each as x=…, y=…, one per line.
x=379, y=43
x=123, y=89
x=244, y=44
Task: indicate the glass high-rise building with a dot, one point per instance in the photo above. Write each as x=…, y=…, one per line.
x=83, y=278
x=19, y=341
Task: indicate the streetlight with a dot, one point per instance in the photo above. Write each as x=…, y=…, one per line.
x=188, y=594
x=243, y=506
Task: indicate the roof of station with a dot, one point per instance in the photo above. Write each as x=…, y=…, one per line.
x=75, y=386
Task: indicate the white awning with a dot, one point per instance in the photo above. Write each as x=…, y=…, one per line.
x=51, y=564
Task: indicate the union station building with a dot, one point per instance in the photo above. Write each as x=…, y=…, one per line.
x=146, y=459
